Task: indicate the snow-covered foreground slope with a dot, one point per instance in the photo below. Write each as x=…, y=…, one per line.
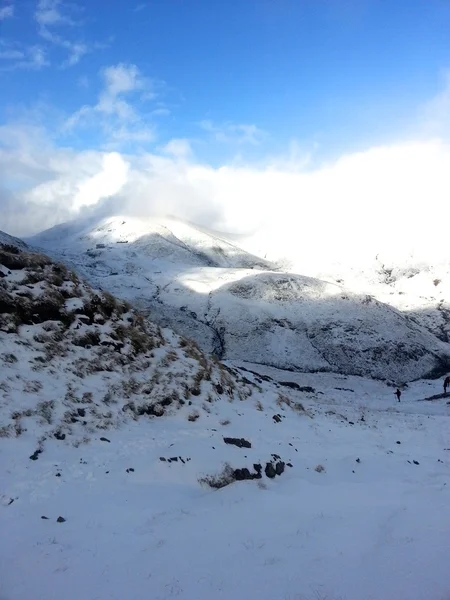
x=111, y=429
x=239, y=307
x=373, y=525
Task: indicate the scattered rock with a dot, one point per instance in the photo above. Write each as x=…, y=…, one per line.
x=239, y=442
x=416, y=462
x=58, y=475
x=130, y=470
x=292, y=385
x=81, y=412
x=257, y=467
x=279, y=467
x=358, y=460
x=43, y=517
x=103, y=439
x=60, y=436
x=289, y=465
x=270, y=471
x=350, y=423
x=277, y=418
x=35, y=454
x=397, y=442
x=173, y=459
x=107, y=472
x=10, y=502
x=275, y=456
x=60, y=520
x=161, y=458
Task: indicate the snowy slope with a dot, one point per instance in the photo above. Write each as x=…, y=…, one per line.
x=110, y=429
x=240, y=307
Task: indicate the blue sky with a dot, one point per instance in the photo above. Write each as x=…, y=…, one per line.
x=339, y=74
x=220, y=84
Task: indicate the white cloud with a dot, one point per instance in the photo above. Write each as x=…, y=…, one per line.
x=51, y=12
x=436, y=113
x=51, y=15
x=114, y=110
x=6, y=12
x=234, y=133
x=178, y=148
x=387, y=198
x=32, y=58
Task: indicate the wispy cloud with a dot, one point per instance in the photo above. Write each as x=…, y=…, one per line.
x=51, y=16
x=52, y=12
x=6, y=12
x=436, y=112
x=116, y=112
x=140, y=7
x=14, y=57
x=233, y=132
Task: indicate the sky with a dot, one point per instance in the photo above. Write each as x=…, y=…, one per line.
x=232, y=114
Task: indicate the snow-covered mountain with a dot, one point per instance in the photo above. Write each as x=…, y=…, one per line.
x=244, y=308
x=135, y=466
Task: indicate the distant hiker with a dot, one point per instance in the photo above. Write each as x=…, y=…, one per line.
x=446, y=383
x=398, y=394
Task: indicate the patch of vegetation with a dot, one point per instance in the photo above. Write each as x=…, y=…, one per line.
x=220, y=480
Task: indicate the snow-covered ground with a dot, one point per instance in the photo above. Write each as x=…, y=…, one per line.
x=373, y=525
x=111, y=428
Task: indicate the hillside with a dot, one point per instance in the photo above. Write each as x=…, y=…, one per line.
x=133, y=465
x=243, y=308
x=77, y=361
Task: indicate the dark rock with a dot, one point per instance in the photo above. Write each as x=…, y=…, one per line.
x=173, y=459
x=107, y=472
x=10, y=501
x=182, y=460
x=35, y=454
x=362, y=419
x=58, y=475
x=60, y=520
x=279, y=467
x=358, y=460
x=103, y=439
x=130, y=470
x=290, y=384
x=397, y=442
x=46, y=518
x=350, y=423
x=258, y=468
x=289, y=465
x=242, y=474
x=60, y=436
x=275, y=457
x=416, y=462
x=270, y=471
x=219, y=389
x=239, y=442
x=81, y=412
x=276, y=418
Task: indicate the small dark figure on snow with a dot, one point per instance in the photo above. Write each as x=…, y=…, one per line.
x=446, y=383
x=398, y=394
